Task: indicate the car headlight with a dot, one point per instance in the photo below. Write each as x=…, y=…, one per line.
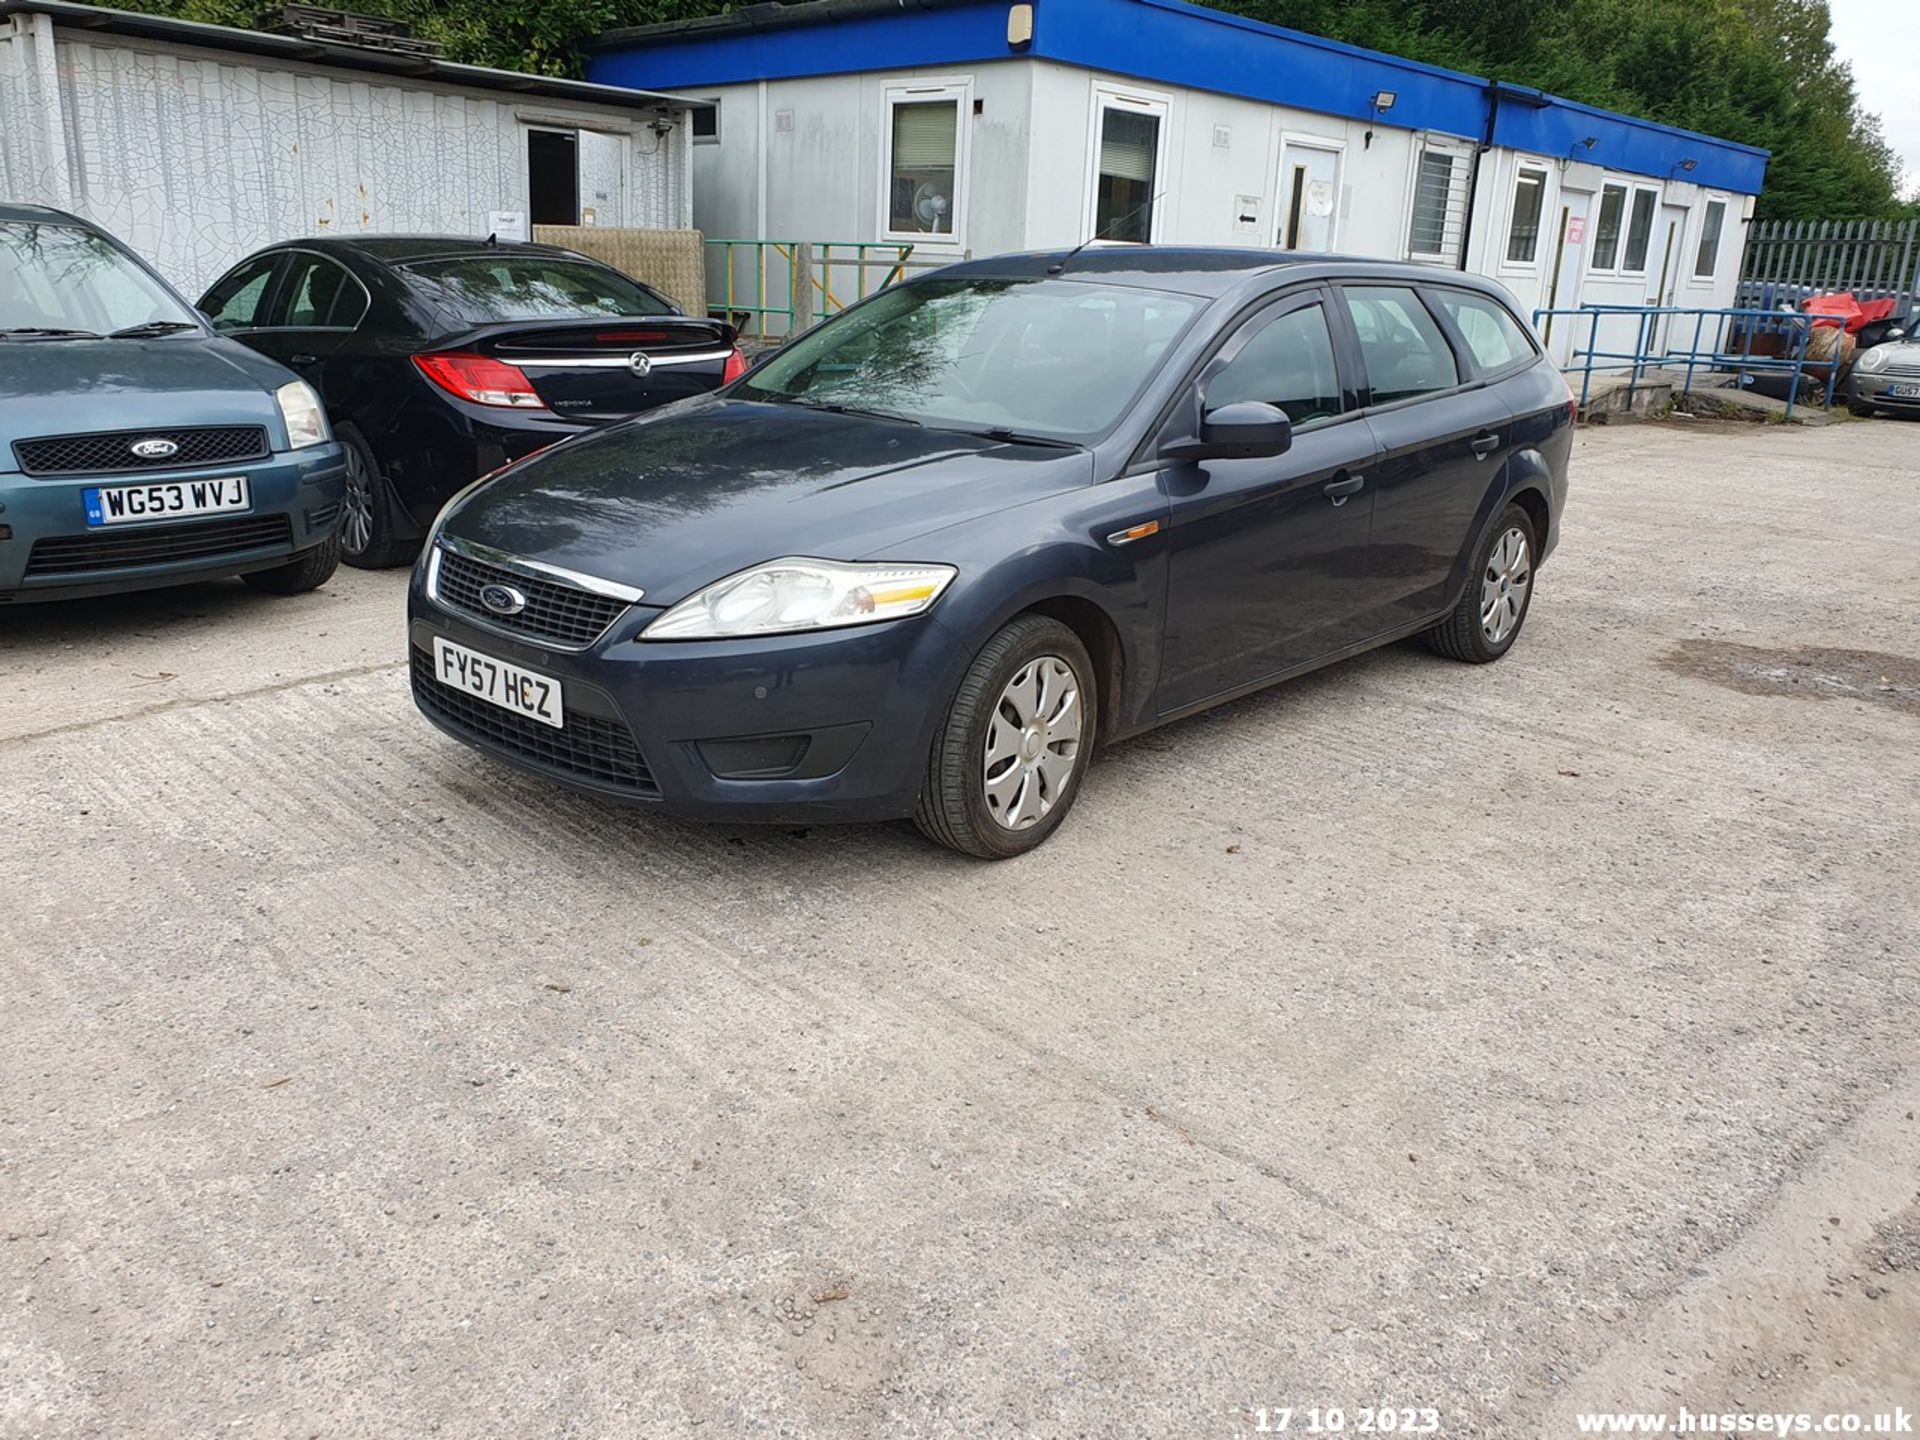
x=795, y=594
x=1876, y=358
x=306, y=420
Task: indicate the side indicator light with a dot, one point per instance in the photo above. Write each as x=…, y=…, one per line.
x=1137, y=532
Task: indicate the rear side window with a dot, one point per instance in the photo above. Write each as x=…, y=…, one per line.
x=1493, y=336
x=485, y=289
x=234, y=301
x=320, y=295
x=1289, y=363
x=1405, y=352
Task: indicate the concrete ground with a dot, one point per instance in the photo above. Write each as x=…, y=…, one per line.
x=1505, y=1041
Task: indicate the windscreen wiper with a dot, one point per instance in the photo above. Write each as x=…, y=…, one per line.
x=151, y=327
x=45, y=332
x=1015, y=437
x=838, y=408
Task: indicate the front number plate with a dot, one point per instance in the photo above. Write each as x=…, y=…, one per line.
x=168, y=500
x=1904, y=392
x=495, y=681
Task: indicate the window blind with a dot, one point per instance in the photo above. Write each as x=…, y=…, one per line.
x=924, y=133
x=1128, y=145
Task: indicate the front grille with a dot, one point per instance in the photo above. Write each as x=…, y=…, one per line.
x=556, y=612
x=157, y=545
x=111, y=454
x=588, y=747
x=1904, y=371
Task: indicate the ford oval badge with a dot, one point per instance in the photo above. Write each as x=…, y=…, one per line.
x=502, y=599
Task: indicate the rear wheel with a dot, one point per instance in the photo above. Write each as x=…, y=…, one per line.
x=1493, y=604
x=1008, y=758
x=308, y=570
x=368, y=527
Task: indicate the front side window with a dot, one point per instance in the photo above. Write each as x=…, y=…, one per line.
x=1124, y=185
x=1529, y=199
x=923, y=163
x=1639, y=230
x=1606, y=234
x=65, y=278
x=1405, y=352
x=1289, y=363
x=1056, y=358
x=1494, y=338
x=234, y=302
x=1714, y=221
x=480, y=290
x=319, y=295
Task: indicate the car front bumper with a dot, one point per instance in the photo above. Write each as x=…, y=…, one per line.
x=830, y=726
x=295, y=505
x=1876, y=389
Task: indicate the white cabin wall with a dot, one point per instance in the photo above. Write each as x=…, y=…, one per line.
x=195, y=158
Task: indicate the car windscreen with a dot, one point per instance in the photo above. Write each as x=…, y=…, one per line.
x=489, y=289
x=1057, y=358
x=62, y=278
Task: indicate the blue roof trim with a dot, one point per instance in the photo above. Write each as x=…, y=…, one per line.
x=907, y=39
x=1174, y=43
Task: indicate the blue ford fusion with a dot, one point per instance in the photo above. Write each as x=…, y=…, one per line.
x=137, y=448
x=931, y=555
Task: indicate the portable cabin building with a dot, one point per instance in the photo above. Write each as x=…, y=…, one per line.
x=965, y=127
x=198, y=143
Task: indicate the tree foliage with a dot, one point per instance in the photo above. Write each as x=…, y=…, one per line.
x=1759, y=71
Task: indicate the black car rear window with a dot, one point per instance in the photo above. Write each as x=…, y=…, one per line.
x=483, y=289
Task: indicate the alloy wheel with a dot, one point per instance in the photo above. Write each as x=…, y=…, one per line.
x=356, y=520
x=1033, y=743
x=1503, y=588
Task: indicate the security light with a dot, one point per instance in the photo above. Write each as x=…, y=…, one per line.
x=1689, y=165
x=1383, y=101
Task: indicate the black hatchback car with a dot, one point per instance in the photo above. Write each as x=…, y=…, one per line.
x=929, y=556
x=439, y=360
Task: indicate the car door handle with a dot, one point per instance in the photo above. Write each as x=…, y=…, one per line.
x=302, y=359
x=1339, y=488
x=1484, y=445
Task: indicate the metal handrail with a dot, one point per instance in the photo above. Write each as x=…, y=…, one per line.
x=1649, y=354
x=815, y=278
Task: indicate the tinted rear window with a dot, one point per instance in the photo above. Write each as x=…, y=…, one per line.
x=484, y=289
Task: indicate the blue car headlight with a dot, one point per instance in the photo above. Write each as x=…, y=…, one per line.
x=306, y=419
x=783, y=596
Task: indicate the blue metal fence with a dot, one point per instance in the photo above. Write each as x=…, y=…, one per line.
x=1690, y=340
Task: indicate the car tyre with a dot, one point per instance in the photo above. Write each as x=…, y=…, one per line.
x=369, y=538
x=1494, y=602
x=1859, y=411
x=1009, y=755
x=308, y=570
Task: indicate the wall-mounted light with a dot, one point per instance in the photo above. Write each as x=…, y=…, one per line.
x=1019, y=26
x=1689, y=165
x=1383, y=101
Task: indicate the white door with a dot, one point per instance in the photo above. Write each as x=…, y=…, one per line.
x=1309, y=193
x=1566, y=265
x=603, y=179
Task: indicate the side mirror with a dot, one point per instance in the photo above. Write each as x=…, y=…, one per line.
x=1244, y=430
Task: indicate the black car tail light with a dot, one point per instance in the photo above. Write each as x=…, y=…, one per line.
x=735, y=368
x=481, y=380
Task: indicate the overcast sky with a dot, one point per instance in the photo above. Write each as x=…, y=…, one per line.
x=1880, y=39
